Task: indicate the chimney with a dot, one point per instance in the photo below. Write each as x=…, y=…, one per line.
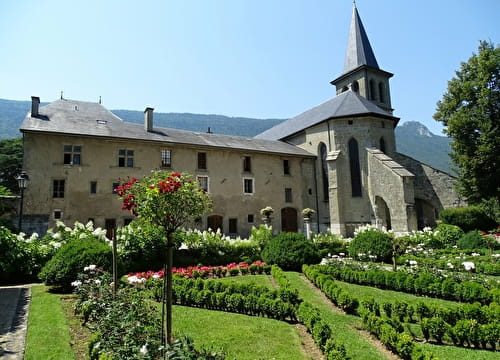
x=35, y=102
x=148, y=119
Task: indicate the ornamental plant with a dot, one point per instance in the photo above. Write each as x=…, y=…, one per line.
x=169, y=200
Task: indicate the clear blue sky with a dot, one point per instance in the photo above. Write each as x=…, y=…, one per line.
x=252, y=58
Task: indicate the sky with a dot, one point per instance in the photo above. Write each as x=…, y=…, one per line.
x=250, y=58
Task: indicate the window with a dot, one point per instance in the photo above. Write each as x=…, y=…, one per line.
x=250, y=218
x=233, y=226
x=115, y=186
x=288, y=195
x=382, y=145
x=381, y=92
x=202, y=161
x=248, y=186
x=93, y=187
x=286, y=167
x=72, y=154
x=324, y=170
x=203, y=180
x=247, y=164
x=355, y=86
x=58, y=189
x=372, y=90
x=355, y=168
x=166, y=158
x=57, y=214
x=125, y=158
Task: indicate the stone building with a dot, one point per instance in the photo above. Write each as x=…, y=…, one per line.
x=338, y=158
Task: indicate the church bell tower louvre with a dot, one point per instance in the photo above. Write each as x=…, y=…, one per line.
x=361, y=71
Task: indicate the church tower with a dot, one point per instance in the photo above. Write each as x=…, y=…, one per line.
x=361, y=71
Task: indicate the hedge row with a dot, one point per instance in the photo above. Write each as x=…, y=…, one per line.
x=332, y=290
x=322, y=333
x=403, y=311
x=424, y=283
x=251, y=299
x=396, y=340
x=483, y=264
x=464, y=332
x=390, y=332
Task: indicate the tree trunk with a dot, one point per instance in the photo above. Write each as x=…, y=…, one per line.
x=168, y=321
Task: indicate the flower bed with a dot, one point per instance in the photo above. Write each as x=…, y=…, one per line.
x=204, y=272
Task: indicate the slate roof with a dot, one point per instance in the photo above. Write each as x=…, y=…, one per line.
x=347, y=104
x=359, y=51
x=73, y=117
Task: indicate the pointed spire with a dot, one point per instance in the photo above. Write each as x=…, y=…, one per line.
x=359, y=51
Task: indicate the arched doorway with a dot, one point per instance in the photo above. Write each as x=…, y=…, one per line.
x=289, y=220
x=426, y=214
x=382, y=213
x=214, y=222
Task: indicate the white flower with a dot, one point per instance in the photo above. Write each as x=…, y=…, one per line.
x=76, y=283
x=89, y=268
x=468, y=265
x=144, y=350
x=475, y=254
x=413, y=263
x=450, y=265
x=341, y=254
x=97, y=282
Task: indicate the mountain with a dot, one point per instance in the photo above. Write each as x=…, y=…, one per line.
x=412, y=138
x=415, y=140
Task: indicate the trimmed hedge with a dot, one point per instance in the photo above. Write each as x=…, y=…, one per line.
x=72, y=258
x=423, y=283
x=290, y=250
x=468, y=218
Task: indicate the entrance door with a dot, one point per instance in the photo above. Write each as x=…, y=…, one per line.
x=110, y=225
x=214, y=222
x=289, y=220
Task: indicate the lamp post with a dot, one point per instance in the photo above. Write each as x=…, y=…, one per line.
x=22, y=182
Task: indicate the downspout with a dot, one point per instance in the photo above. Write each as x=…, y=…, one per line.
x=316, y=195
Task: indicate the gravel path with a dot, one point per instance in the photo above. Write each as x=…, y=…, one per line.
x=14, y=307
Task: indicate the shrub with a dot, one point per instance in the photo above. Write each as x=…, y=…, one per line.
x=468, y=218
x=372, y=242
x=72, y=258
x=448, y=234
x=471, y=240
x=22, y=258
x=290, y=251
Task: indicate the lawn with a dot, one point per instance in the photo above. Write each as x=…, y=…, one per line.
x=242, y=337
x=345, y=327
x=48, y=335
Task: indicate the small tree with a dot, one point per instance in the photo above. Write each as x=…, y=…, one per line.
x=470, y=111
x=169, y=200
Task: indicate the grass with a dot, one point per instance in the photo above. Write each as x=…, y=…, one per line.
x=344, y=326
x=382, y=296
x=242, y=337
x=48, y=335
x=262, y=280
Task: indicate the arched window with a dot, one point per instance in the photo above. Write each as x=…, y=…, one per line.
x=381, y=92
x=355, y=86
x=355, y=168
x=373, y=91
x=382, y=145
x=324, y=170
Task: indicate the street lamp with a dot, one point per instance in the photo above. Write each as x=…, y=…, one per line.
x=22, y=182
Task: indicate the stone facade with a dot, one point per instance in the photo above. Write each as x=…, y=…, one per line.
x=338, y=158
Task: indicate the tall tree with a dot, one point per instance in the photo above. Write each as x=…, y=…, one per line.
x=11, y=161
x=470, y=112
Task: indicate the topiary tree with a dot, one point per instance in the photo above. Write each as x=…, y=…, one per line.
x=290, y=251
x=372, y=242
x=169, y=200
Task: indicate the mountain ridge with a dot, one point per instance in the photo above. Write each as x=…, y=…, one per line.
x=413, y=138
